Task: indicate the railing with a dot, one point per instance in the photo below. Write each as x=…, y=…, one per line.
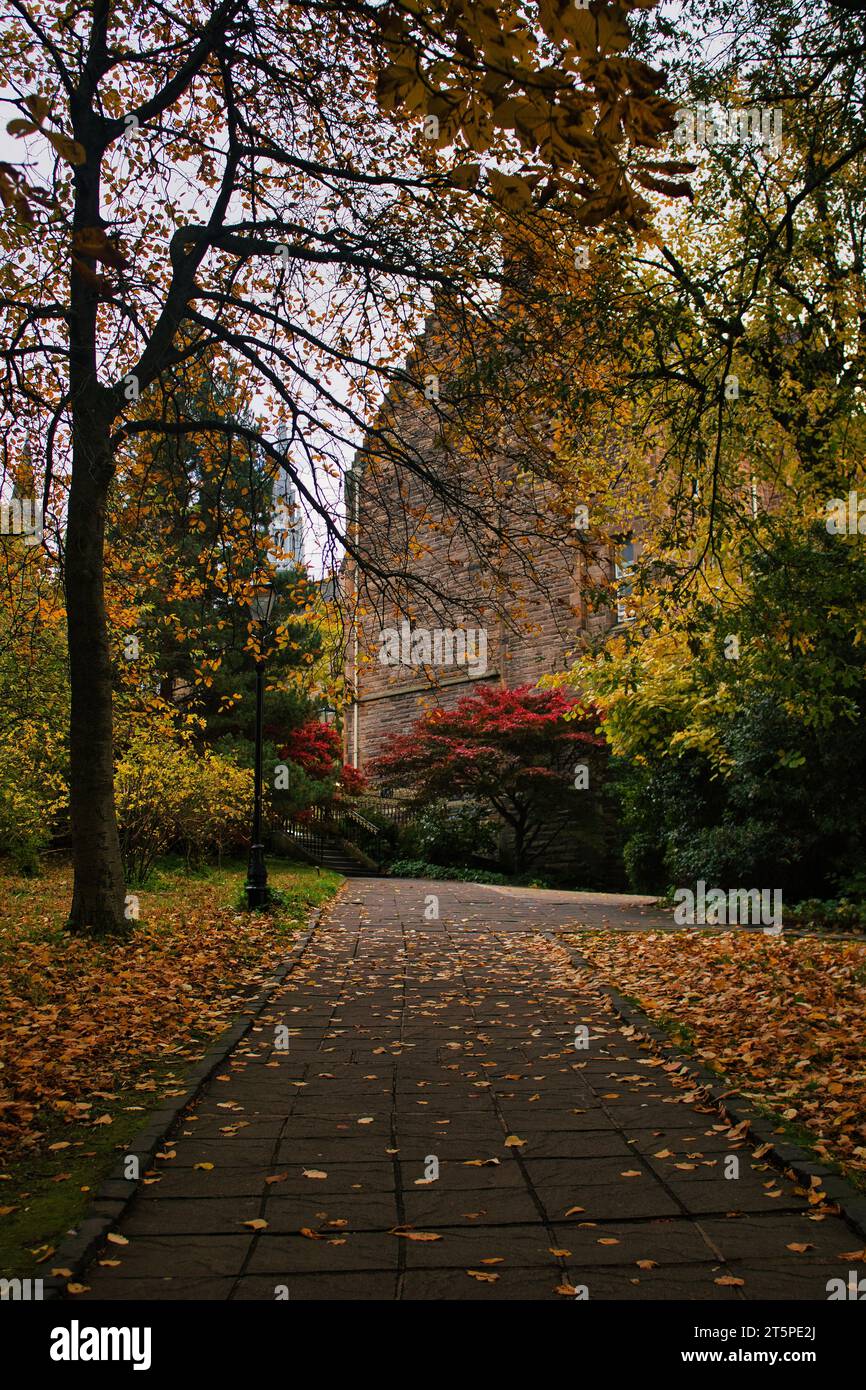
x=352, y=816
x=396, y=809
x=306, y=832
x=341, y=820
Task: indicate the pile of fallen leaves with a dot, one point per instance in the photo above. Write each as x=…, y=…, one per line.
x=81, y=1021
x=780, y=1017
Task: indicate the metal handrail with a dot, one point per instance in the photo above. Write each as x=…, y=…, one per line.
x=312, y=827
x=349, y=813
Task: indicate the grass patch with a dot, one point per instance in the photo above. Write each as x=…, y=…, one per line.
x=94, y=1036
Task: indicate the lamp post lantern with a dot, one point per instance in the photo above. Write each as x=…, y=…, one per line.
x=261, y=607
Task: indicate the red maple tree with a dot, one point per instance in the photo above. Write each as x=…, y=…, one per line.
x=516, y=749
x=316, y=748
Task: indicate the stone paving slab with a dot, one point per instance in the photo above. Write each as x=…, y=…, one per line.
x=434, y=1132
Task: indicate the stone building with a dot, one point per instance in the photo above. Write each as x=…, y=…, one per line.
x=462, y=618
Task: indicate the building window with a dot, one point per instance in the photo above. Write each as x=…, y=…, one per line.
x=623, y=570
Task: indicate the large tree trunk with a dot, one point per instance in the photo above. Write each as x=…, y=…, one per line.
x=99, y=895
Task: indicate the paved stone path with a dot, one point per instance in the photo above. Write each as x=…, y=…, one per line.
x=433, y=1132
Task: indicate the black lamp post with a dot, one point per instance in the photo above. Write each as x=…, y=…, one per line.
x=261, y=607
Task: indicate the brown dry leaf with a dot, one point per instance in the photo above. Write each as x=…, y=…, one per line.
x=116, y=1238
x=632, y=1173
x=314, y=1173
x=729, y=1280
x=205, y=1167
x=512, y=1142
x=311, y=1235
x=110, y=1264
x=61, y=1273
x=416, y=1235
x=479, y=1162
x=572, y=1211
x=799, y=1249
x=567, y=1290
x=482, y=1276
x=77, y=1288
x=256, y=1225
x=647, y=1264
x=853, y=1255
x=607, y=1240
x=560, y=1254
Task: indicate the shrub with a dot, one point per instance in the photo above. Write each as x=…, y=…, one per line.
x=216, y=809
x=168, y=794
x=445, y=833
x=32, y=792
x=419, y=868
x=834, y=914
